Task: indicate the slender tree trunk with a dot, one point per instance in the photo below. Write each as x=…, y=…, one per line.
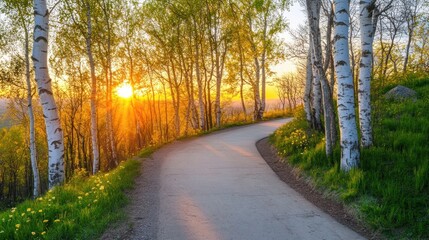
x=33, y=149
x=307, y=90
x=313, y=10
x=199, y=80
x=364, y=83
x=54, y=131
x=346, y=105
x=94, y=127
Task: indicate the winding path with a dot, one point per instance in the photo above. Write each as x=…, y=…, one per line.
x=218, y=187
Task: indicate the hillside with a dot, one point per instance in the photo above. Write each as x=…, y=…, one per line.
x=390, y=190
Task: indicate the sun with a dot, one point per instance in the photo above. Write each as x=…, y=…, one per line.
x=125, y=90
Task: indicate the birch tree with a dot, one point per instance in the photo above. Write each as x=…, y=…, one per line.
x=313, y=12
x=22, y=10
x=346, y=106
x=54, y=131
x=94, y=127
x=367, y=24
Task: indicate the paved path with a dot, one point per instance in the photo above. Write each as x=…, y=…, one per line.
x=218, y=187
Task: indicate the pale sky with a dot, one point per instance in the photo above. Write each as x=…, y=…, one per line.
x=295, y=17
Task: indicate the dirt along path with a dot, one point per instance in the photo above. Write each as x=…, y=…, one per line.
x=219, y=187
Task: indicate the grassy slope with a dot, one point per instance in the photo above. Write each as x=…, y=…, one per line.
x=390, y=190
x=81, y=209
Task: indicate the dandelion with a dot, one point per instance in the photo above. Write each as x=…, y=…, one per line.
x=23, y=214
x=39, y=199
x=86, y=194
x=40, y=210
x=53, y=198
x=95, y=200
x=28, y=209
x=57, y=220
x=33, y=233
x=45, y=221
x=32, y=212
x=102, y=188
x=10, y=216
x=43, y=233
x=13, y=210
x=79, y=197
x=17, y=225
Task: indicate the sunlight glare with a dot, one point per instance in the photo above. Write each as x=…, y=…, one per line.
x=125, y=90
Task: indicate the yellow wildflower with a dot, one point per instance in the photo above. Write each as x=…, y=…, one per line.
x=28, y=209
x=43, y=233
x=102, y=188
x=79, y=197
x=23, y=214
x=33, y=233
x=57, y=220
x=17, y=225
x=40, y=210
x=45, y=221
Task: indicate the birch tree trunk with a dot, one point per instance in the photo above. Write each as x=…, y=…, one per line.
x=364, y=83
x=346, y=105
x=313, y=11
x=94, y=129
x=199, y=80
x=307, y=90
x=33, y=149
x=54, y=131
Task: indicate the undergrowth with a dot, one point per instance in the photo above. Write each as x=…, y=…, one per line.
x=81, y=209
x=390, y=189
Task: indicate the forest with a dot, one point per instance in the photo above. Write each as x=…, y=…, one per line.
x=87, y=83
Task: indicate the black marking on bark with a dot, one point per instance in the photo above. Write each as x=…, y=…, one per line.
x=362, y=65
x=342, y=11
x=44, y=116
x=58, y=130
x=341, y=63
x=340, y=24
x=43, y=68
x=338, y=37
x=34, y=59
x=55, y=119
x=56, y=144
x=41, y=91
x=41, y=38
x=50, y=109
x=39, y=27
x=46, y=14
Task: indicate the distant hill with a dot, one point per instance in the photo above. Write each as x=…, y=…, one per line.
x=3, y=107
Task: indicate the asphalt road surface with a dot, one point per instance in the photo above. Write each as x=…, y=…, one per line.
x=218, y=187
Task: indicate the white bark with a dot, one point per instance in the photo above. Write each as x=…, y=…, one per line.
x=316, y=95
x=33, y=149
x=54, y=131
x=346, y=105
x=199, y=80
x=94, y=129
x=365, y=70
x=307, y=91
x=313, y=11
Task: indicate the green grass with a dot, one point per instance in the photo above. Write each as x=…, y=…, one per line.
x=390, y=190
x=81, y=209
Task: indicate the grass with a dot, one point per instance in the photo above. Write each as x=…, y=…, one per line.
x=390, y=189
x=81, y=209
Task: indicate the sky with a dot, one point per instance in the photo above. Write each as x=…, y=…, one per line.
x=295, y=16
